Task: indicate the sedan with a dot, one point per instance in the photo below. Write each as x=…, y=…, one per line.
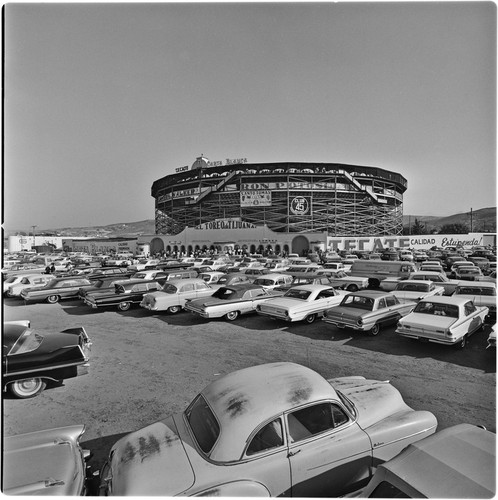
x=35, y=463
x=230, y=302
x=368, y=311
x=444, y=320
x=305, y=302
x=30, y=358
x=480, y=293
x=468, y=273
x=277, y=429
x=57, y=289
x=174, y=295
x=27, y=281
x=415, y=290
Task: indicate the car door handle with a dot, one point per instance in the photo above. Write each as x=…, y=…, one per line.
x=292, y=453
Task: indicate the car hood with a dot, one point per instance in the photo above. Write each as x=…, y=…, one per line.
x=151, y=461
x=374, y=400
x=52, y=457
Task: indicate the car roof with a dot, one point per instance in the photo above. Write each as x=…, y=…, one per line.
x=463, y=454
x=451, y=300
x=184, y=281
x=374, y=294
x=311, y=288
x=477, y=284
x=246, y=398
x=272, y=276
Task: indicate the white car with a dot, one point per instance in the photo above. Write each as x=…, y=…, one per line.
x=143, y=264
x=306, y=302
x=175, y=293
x=14, y=289
x=272, y=280
x=444, y=320
x=481, y=293
x=416, y=290
x=211, y=277
x=492, y=337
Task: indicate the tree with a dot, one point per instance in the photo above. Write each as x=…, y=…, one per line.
x=454, y=229
x=418, y=227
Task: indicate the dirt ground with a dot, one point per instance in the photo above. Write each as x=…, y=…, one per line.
x=146, y=366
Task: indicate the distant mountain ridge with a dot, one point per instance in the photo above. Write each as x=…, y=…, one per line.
x=483, y=220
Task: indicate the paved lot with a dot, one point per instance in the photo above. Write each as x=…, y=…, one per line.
x=145, y=366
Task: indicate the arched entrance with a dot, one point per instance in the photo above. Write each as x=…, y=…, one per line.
x=156, y=246
x=300, y=244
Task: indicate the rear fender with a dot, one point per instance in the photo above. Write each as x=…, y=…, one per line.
x=391, y=435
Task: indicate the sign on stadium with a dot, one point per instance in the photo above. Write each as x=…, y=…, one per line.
x=260, y=198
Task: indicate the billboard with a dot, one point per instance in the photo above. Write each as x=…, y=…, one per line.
x=260, y=198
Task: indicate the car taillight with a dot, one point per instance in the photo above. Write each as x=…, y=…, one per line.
x=360, y=322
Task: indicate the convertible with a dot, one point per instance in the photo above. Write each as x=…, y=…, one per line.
x=30, y=358
x=277, y=429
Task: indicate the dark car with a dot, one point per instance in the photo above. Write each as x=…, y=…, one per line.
x=102, y=285
x=30, y=358
x=119, y=271
x=124, y=294
x=67, y=287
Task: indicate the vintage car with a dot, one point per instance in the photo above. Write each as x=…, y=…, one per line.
x=350, y=283
x=175, y=293
x=468, y=273
x=456, y=462
x=30, y=358
x=304, y=302
x=25, y=268
x=233, y=279
x=230, y=302
x=444, y=320
x=273, y=280
x=480, y=293
x=416, y=290
x=103, y=285
x=458, y=265
x=277, y=429
x=439, y=279
x=106, y=271
x=124, y=295
x=368, y=311
x=305, y=279
x=27, y=281
x=120, y=261
x=57, y=289
x=143, y=264
x=492, y=337
x=48, y=462
x=212, y=277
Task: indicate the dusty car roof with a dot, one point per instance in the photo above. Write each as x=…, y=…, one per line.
x=246, y=398
x=457, y=462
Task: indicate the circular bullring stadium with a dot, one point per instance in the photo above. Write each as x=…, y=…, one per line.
x=288, y=197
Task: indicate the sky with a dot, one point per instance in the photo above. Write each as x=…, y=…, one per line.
x=102, y=99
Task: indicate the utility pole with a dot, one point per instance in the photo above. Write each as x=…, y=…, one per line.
x=471, y=221
x=34, y=239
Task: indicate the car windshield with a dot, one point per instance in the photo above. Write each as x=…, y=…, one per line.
x=436, y=309
x=11, y=279
x=28, y=341
x=472, y=290
x=358, y=302
x=264, y=282
x=203, y=423
x=413, y=287
x=169, y=288
x=297, y=294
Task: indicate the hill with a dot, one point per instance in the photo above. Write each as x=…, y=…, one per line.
x=483, y=220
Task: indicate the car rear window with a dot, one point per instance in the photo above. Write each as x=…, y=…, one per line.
x=28, y=341
x=203, y=424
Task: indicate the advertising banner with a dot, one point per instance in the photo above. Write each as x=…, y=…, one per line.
x=300, y=205
x=261, y=198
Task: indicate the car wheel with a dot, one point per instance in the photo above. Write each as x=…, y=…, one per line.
x=8, y=294
x=463, y=342
x=124, y=306
x=375, y=330
x=310, y=318
x=27, y=388
x=174, y=309
x=53, y=299
x=352, y=288
x=232, y=315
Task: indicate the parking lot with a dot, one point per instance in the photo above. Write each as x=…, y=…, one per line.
x=146, y=366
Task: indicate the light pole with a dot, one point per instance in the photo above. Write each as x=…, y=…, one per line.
x=34, y=239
